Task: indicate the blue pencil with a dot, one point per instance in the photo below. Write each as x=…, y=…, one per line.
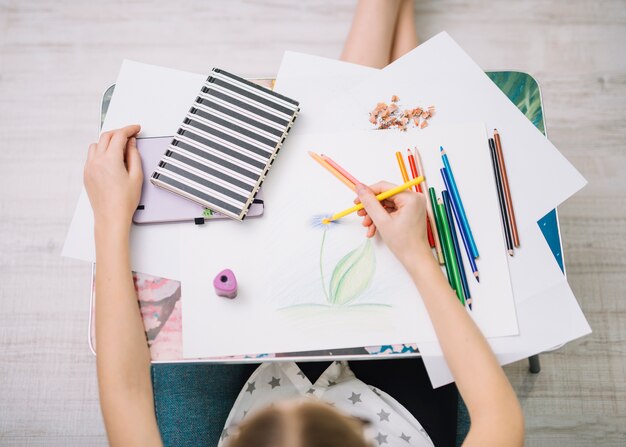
x=455, y=244
x=466, y=243
x=458, y=204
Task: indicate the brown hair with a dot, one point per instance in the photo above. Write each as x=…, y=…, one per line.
x=310, y=424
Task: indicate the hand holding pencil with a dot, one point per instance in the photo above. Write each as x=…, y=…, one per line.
x=399, y=213
x=400, y=220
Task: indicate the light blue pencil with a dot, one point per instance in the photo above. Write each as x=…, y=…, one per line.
x=466, y=244
x=456, y=199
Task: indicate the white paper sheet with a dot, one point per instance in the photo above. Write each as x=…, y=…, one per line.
x=316, y=82
x=277, y=258
x=440, y=73
x=155, y=97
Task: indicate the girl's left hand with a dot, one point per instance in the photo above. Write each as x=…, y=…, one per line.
x=113, y=178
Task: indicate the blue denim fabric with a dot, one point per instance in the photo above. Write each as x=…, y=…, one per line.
x=462, y=422
x=192, y=401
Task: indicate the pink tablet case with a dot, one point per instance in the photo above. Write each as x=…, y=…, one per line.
x=158, y=205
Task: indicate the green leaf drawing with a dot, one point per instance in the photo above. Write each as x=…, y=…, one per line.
x=352, y=274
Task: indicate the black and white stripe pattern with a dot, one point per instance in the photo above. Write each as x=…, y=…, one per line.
x=226, y=144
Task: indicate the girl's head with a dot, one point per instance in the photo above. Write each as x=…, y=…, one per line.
x=300, y=424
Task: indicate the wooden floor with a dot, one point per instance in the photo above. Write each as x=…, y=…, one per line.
x=56, y=58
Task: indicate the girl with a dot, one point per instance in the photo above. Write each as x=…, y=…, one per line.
x=279, y=406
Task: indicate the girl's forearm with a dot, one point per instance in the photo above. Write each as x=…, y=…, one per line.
x=119, y=328
x=123, y=356
x=490, y=399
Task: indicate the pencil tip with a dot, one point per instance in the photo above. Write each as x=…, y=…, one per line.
x=495, y=130
x=476, y=276
x=511, y=252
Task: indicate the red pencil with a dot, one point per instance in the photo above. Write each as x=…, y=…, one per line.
x=418, y=188
x=414, y=172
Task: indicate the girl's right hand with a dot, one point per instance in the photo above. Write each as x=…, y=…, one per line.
x=400, y=220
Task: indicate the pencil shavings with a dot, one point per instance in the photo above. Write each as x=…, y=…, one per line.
x=387, y=116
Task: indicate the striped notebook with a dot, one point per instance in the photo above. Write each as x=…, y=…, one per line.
x=226, y=144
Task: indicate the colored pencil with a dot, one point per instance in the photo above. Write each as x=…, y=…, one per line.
x=332, y=170
x=430, y=209
x=405, y=175
x=437, y=220
x=458, y=203
x=464, y=238
x=455, y=244
x=505, y=187
x=341, y=170
x=418, y=188
x=505, y=222
x=448, y=252
x=380, y=197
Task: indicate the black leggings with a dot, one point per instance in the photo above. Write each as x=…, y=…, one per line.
x=406, y=381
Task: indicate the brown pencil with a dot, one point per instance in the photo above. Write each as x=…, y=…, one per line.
x=507, y=191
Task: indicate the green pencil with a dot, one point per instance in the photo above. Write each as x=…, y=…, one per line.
x=448, y=252
x=433, y=202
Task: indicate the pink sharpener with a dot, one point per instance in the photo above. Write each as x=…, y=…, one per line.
x=225, y=284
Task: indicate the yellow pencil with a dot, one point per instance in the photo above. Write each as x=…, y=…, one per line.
x=405, y=175
x=380, y=197
x=332, y=170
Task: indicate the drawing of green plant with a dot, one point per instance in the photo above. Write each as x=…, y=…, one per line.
x=352, y=275
x=350, y=278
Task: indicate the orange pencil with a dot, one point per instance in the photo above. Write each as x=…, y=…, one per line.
x=418, y=188
x=405, y=175
x=341, y=170
x=429, y=209
x=332, y=170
